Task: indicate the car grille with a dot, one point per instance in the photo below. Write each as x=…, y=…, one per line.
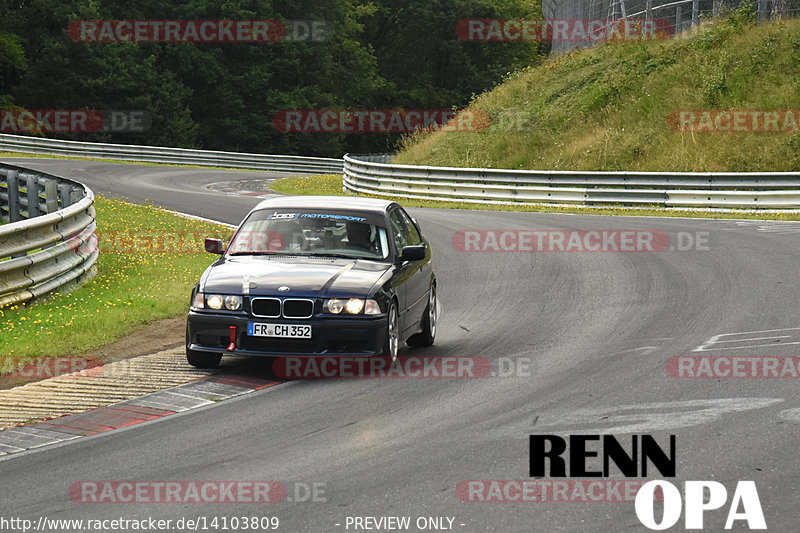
x=298, y=308
x=301, y=346
x=283, y=346
x=276, y=308
x=266, y=307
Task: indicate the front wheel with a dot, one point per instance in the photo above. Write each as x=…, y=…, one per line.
x=392, y=342
x=428, y=333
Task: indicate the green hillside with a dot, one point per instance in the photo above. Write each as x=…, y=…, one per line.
x=607, y=108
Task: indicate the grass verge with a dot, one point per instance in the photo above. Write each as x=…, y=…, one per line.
x=331, y=184
x=149, y=261
x=615, y=106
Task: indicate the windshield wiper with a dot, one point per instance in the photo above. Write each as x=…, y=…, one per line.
x=330, y=254
x=256, y=253
x=303, y=254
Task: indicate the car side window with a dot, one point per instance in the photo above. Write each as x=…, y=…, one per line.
x=412, y=233
x=399, y=229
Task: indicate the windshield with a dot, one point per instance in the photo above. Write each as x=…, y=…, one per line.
x=312, y=232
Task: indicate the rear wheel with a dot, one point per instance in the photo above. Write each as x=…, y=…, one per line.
x=428, y=333
x=392, y=342
x=201, y=359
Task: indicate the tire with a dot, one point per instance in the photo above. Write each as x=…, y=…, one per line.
x=428, y=333
x=201, y=359
x=391, y=344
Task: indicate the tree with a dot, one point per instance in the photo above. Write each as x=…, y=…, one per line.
x=379, y=54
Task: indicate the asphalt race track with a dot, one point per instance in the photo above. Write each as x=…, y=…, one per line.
x=585, y=338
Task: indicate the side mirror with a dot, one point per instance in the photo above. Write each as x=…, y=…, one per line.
x=413, y=253
x=214, y=246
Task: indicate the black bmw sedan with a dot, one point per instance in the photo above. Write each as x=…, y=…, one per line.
x=315, y=276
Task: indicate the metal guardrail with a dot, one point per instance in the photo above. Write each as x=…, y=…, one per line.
x=750, y=190
x=177, y=156
x=49, y=241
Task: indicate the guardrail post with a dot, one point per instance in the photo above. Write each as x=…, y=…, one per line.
x=75, y=194
x=51, y=196
x=762, y=10
x=32, y=184
x=13, y=196
x=695, y=12
x=65, y=195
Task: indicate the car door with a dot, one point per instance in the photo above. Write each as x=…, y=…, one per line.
x=413, y=275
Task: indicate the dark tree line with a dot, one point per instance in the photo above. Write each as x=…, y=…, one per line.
x=379, y=54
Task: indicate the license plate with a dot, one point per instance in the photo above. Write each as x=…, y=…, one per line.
x=286, y=331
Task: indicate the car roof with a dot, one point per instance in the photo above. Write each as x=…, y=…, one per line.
x=376, y=205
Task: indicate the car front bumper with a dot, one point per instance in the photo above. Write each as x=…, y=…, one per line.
x=330, y=337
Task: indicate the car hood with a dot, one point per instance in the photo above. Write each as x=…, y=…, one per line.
x=309, y=277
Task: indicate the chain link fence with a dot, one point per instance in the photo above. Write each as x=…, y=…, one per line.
x=677, y=15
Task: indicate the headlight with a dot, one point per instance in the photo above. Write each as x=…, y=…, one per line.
x=334, y=305
x=217, y=301
x=352, y=306
x=214, y=301
x=233, y=303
